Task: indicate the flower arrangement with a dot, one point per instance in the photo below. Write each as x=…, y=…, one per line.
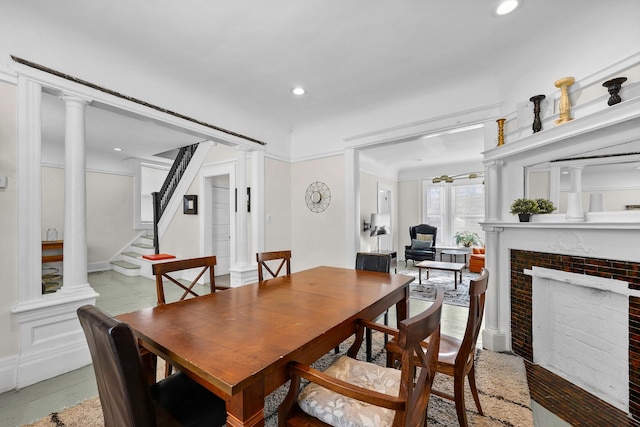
x=524, y=206
x=545, y=206
x=467, y=238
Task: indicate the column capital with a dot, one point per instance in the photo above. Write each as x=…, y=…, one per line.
x=492, y=229
x=494, y=163
x=71, y=98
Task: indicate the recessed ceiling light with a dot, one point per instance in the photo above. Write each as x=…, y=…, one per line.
x=117, y=149
x=298, y=91
x=507, y=7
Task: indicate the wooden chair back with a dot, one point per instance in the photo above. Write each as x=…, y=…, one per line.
x=410, y=405
x=278, y=259
x=162, y=270
x=126, y=397
x=477, y=295
x=122, y=384
x=373, y=262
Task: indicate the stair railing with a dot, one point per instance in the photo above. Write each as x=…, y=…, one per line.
x=161, y=198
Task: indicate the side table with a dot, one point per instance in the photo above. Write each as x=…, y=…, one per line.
x=453, y=254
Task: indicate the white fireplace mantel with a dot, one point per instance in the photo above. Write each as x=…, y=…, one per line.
x=601, y=235
x=599, y=283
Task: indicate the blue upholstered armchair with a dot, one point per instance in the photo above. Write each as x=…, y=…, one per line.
x=423, y=243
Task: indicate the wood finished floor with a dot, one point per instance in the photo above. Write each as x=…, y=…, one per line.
x=121, y=294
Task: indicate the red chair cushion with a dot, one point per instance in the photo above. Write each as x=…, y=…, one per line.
x=157, y=257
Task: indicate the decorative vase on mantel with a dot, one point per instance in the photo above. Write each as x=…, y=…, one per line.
x=565, y=105
x=614, y=86
x=537, y=123
x=524, y=217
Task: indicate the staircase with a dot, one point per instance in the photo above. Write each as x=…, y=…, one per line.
x=130, y=261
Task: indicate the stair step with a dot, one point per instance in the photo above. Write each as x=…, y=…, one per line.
x=132, y=254
x=142, y=246
x=147, y=237
x=125, y=265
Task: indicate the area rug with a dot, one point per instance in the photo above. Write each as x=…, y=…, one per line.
x=501, y=381
x=443, y=280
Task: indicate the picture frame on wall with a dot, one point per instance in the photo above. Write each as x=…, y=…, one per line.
x=190, y=204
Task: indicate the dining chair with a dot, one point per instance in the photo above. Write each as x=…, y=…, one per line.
x=161, y=271
x=126, y=397
x=363, y=390
x=269, y=262
x=380, y=263
x=456, y=358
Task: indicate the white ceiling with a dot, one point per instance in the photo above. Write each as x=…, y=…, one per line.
x=350, y=55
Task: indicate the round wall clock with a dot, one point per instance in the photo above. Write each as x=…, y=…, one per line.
x=318, y=197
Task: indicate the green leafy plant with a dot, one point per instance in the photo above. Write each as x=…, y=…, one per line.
x=524, y=206
x=545, y=206
x=467, y=238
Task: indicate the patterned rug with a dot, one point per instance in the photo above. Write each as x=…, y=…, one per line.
x=501, y=381
x=443, y=280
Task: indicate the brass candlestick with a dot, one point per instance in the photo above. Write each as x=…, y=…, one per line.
x=500, y=131
x=565, y=105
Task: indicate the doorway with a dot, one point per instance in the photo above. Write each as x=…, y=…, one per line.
x=385, y=241
x=220, y=223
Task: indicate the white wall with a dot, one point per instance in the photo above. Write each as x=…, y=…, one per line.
x=318, y=238
x=8, y=225
x=109, y=211
x=277, y=205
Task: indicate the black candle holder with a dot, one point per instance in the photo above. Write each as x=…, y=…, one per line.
x=537, y=123
x=613, y=86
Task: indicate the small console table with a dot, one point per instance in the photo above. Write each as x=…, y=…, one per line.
x=52, y=245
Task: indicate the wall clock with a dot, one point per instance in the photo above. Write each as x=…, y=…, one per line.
x=317, y=197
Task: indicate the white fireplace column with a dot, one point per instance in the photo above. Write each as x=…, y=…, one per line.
x=75, y=196
x=492, y=185
x=493, y=338
x=574, y=198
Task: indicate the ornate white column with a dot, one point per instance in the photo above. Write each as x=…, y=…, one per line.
x=492, y=190
x=241, y=207
x=493, y=338
x=575, y=212
x=75, y=196
x=244, y=271
x=352, y=204
x=51, y=340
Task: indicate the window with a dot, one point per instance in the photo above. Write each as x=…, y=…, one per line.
x=453, y=208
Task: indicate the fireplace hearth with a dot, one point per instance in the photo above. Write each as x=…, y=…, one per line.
x=527, y=265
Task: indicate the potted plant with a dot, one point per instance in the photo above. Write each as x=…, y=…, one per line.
x=467, y=238
x=545, y=206
x=524, y=208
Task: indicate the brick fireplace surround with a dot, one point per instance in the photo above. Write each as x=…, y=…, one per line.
x=521, y=303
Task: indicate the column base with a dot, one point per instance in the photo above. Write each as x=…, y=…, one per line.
x=494, y=340
x=243, y=275
x=51, y=339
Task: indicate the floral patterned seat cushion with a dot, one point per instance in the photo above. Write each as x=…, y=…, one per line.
x=340, y=411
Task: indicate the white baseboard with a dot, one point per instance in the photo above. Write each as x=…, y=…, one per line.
x=8, y=373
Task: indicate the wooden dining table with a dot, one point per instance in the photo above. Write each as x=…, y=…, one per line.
x=238, y=342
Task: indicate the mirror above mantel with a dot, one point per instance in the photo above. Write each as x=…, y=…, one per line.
x=609, y=179
x=599, y=150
